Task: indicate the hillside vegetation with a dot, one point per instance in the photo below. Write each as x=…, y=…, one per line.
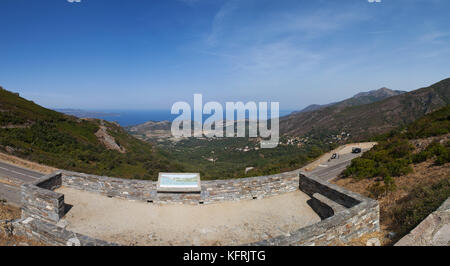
x=32, y=132
x=408, y=171
x=224, y=158
x=365, y=121
x=394, y=154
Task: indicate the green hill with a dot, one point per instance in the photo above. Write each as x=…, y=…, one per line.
x=32, y=132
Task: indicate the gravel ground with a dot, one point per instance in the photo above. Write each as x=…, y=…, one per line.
x=229, y=223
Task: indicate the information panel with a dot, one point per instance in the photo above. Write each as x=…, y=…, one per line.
x=179, y=182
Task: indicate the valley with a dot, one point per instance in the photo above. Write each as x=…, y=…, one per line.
x=305, y=134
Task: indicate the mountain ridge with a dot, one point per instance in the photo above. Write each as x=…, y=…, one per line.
x=357, y=99
x=364, y=121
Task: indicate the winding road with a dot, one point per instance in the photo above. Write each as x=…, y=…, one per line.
x=11, y=177
x=331, y=169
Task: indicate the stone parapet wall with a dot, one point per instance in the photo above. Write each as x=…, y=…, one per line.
x=346, y=215
x=42, y=210
x=40, y=201
x=212, y=191
x=52, y=234
x=356, y=216
x=361, y=216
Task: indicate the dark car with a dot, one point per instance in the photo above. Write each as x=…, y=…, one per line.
x=356, y=150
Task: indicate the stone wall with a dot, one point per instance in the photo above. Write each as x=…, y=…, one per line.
x=212, y=191
x=345, y=215
x=356, y=217
x=311, y=185
x=42, y=210
x=40, y=201
x=52, y=234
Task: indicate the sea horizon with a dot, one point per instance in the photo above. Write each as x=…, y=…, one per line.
x=132, y=117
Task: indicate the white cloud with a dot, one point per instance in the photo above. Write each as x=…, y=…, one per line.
x=436, y=37
x=277, y=41
x=318, y=23
x=280, y=55
x=219, y=20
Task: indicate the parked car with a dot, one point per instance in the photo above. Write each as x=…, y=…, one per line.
x=356, y=150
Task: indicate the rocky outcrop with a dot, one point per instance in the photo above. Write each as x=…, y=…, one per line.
x=107, y=140
x=433, y=231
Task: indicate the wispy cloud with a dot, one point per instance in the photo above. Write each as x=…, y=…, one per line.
x=276, y=56
x=219, y=20
x=435, y=37
x=298, y=22
x=275, y=41
x=317, y=23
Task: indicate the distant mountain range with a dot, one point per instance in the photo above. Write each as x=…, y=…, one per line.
x=359, y=99
x=362, y=116
x=367, y=114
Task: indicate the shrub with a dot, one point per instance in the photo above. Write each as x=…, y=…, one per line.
x=388, y=158
x=376, y=190
x=361, y=168
x=379, y=189
x=421, y=157
x=435, y=149
x=422, y=201
x=443, y=158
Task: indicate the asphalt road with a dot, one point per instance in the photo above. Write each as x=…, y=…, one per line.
x=11, y=177
x=18, y=174
x=11, y=194
x=331, y=169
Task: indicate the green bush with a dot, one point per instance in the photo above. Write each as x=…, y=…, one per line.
x=435, y=149
x=379, y=189
x=361, y=168
x=389, y=158
x=435, y=124
x=421, y=157
x=419, y=204
x=443, y=158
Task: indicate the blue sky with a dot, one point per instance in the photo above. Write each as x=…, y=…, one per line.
x=144, y=54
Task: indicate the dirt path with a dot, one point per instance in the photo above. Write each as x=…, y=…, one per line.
x=229, y=223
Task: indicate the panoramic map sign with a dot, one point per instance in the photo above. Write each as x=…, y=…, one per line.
x=179, y=182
